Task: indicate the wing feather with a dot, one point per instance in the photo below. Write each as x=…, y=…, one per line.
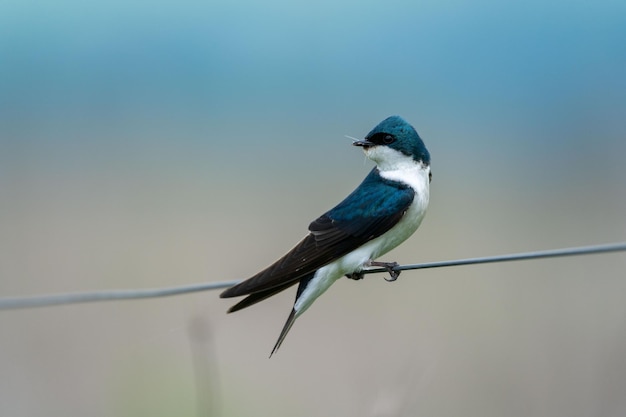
x=371, y=210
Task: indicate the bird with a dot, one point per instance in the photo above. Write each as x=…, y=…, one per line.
x=381, y=213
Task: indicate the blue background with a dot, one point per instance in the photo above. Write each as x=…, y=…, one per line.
x=147, y=144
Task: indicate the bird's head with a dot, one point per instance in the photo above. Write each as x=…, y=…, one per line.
x=394, y=142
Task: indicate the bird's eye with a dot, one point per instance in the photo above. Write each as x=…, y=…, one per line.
x=387, y=139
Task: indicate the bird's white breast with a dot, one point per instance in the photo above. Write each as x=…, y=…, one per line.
x=416, y=175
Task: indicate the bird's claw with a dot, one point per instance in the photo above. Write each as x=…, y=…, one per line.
x=391, y=269
x=393, y=275
x=355, y=276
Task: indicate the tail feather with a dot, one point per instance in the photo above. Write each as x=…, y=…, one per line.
x=290, y=321
x=259, y=296
x=304, y=282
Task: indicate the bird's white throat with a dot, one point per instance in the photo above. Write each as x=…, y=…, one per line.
x=396, y=166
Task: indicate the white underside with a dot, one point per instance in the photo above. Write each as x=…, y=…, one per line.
x=399, y=168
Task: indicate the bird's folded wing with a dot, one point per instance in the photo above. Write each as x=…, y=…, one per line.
x=356, y=220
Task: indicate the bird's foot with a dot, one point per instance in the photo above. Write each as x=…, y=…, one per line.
x=390, y=267
x=355, y=275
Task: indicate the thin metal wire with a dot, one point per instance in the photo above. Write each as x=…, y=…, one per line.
x=8, y=303
x=555, y=253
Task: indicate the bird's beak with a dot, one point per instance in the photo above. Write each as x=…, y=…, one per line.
x=364, y=143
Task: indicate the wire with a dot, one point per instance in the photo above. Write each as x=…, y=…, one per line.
x=7, y=303
x=555, y=253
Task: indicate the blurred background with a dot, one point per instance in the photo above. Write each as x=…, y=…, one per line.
x=150, y=144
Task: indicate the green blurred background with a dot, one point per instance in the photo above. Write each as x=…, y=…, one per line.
x=148, y=144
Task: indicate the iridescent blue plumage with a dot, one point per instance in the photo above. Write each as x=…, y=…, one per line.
x=373, y=201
